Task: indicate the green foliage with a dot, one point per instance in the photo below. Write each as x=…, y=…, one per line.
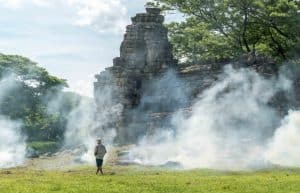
x=29, y=73
x=44, y=146
x=220, y=30
x=137, y=179
x=28, y=97
x=192, y=41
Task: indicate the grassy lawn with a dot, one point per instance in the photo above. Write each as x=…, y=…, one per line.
x=148, y=180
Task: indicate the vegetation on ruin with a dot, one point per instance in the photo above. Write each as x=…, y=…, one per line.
x=224, y=30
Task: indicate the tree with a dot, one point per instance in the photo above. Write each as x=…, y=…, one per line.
x=25, y=98
x=269, y=27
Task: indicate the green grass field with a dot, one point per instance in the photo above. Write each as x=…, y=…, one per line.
x=149, y=180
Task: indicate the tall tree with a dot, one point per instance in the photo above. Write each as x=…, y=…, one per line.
x=27, y=86
x=269, y=27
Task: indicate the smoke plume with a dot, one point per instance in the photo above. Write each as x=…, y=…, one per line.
x=86, y=125
x=284, y=147
x=12, y=143
x=230, y=126
x=88, y=120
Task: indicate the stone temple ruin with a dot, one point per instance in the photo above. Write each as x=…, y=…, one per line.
x=145, y=53
x=145, y=57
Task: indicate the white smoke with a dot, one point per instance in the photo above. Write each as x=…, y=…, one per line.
x=284, y=149
x=88, y=121
x=12, y=144
x=229, y=127
x=86, y=125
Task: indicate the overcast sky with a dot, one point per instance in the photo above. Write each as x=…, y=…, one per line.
x=73, y=39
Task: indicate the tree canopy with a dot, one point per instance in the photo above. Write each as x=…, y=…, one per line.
x=28, y=89
x=219, y=30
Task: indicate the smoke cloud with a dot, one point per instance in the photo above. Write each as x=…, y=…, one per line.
x=86, y=124
x=284, y=147
x=12, y=143
x=90, y=119
x=164, y=95
x=230, y=126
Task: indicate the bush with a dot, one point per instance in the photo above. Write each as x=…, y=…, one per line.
x=42, y=147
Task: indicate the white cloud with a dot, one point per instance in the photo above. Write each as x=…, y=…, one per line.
x=84, y=87
x=100, y=15
x=49, y=32
x=13, y=4
x=41, y=3
x=16, y=4
x=103, y=15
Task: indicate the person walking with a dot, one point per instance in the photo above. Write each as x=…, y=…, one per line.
x=99, y=153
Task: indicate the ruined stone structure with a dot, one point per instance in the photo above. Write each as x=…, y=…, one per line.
x=145, y=53
x=145, y=56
